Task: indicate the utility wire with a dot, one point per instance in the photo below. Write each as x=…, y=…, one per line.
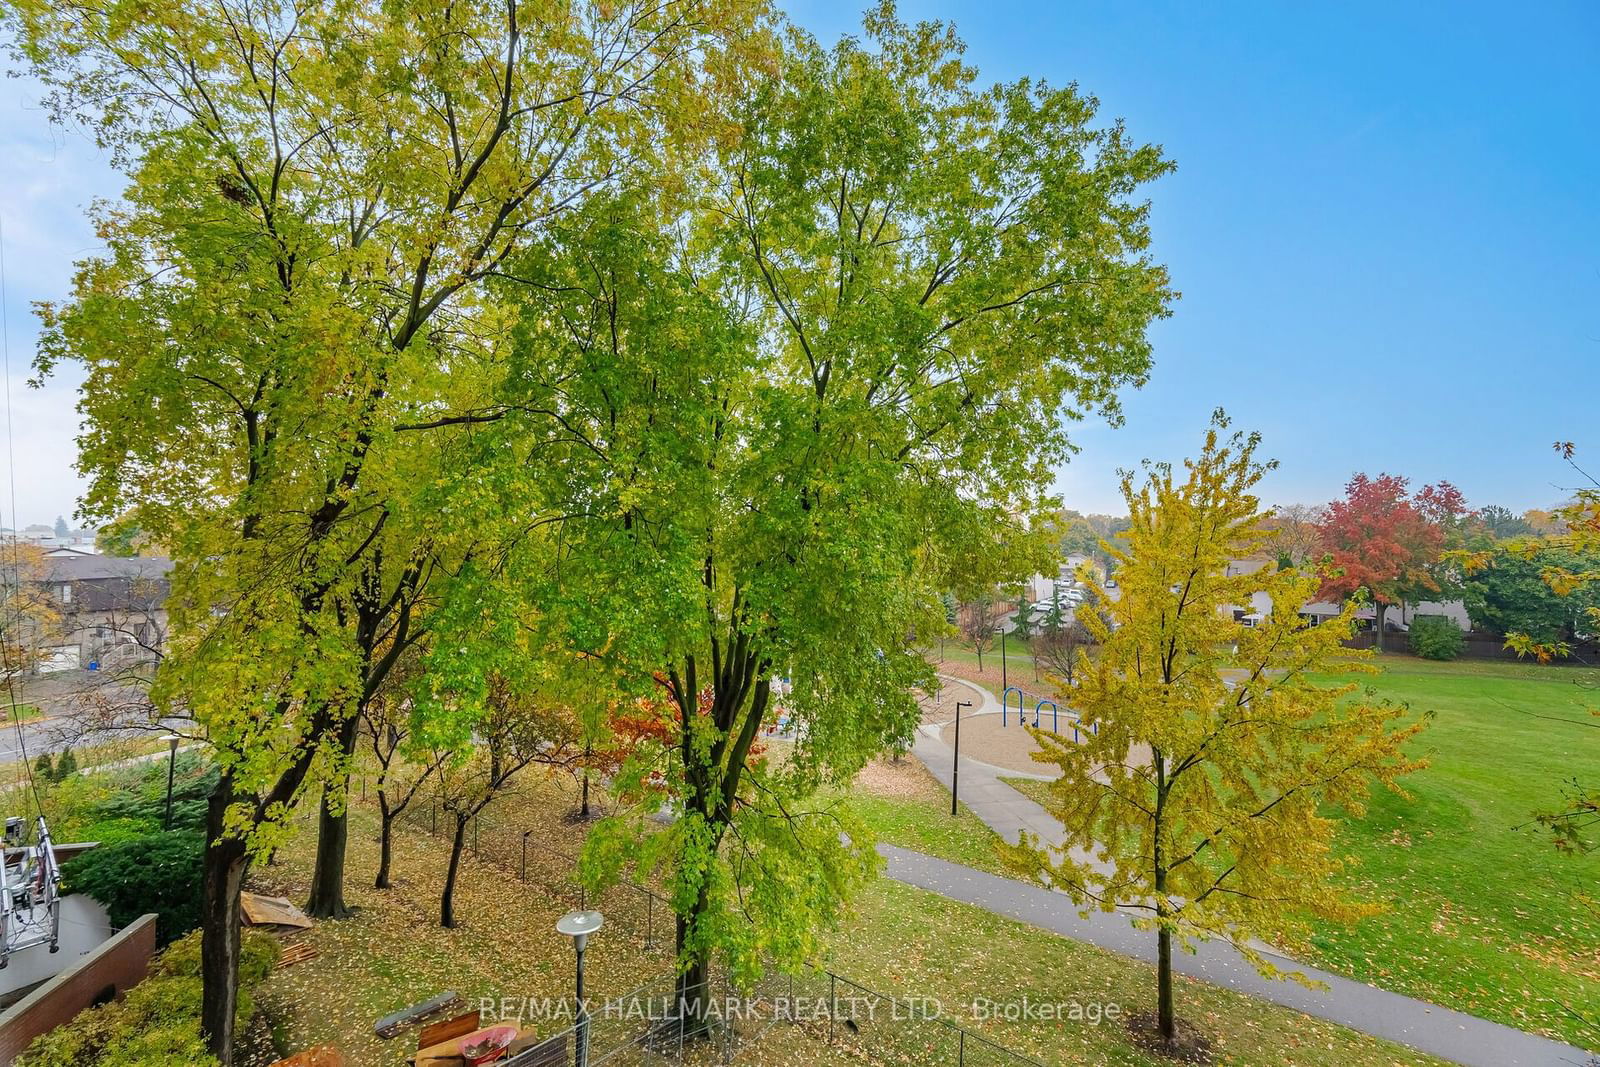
x=16, y=559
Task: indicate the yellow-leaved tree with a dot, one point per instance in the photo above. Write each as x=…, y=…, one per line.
x=1205, y=799
x=30, y=620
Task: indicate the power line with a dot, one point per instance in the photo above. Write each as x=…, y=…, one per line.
x=16, y=559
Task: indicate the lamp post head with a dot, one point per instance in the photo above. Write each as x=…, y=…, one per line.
x=172, y=741
x=578, y=925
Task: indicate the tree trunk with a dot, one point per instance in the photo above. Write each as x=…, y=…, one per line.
x=225, y=863
x=694, y=981
x=1166, y=1023
x=327, y=878
x=447, y=914
x=1378, y=608
x=713, y=795
x=584, y=811
x=385, y=844
x=694, y=990
x=333, y=832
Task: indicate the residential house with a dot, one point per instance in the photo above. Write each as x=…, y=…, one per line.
x=47, y=539
x=1396, y=618
x=113, y=609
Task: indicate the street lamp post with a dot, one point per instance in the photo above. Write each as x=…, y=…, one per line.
x=1003, y=683
x=578, y=925
x=955, y=764
x=172, y=762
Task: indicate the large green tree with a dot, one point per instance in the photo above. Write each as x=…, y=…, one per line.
x=288, y=332
x=784, y=405
x=1506, y=592
x=1569, y=566
x=1501, y=523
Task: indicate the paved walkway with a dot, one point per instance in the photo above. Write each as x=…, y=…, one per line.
x=1429, y=1028
x=1005, y=810
x=1426, y=1027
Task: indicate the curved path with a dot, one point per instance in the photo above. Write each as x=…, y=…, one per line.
x=1005, y=810
x=1429, y=1028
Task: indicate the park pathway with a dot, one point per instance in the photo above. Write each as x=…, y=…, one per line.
x=1004, y=809
x=1426, y=1027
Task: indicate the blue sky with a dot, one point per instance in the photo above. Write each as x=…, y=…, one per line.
x=1385, y=224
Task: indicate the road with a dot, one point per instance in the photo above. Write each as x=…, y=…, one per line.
x=78, y=708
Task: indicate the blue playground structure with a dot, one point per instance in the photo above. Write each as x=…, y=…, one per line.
x=1055, y=717
x=1005, y=704
x=1038, y=712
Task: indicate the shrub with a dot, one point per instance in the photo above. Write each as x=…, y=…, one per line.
x=142, y=793
x=114, y=831
x=66, y=766
x=75, y=802
x=158, y=1023
x=114, y=805
x=258, y=955
x=1436, y=637
x=160, y=873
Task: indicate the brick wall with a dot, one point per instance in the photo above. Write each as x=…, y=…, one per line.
x=110, y=970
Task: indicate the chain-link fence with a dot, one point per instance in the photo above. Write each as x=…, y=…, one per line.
x=640, y=1029
x=644, y=913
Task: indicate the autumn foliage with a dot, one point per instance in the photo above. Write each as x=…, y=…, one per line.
x=648, y=723
x=1206, y=800
x=1384, y=541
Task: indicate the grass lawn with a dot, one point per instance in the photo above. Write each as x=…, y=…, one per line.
x=899, y=941
x=393, y=953
x=917, y=944
x=1482, y=916
x=1017, y=656
x=911, y=943
x=1479, y=915
x=19, y=713
x=905, y=805
x=963, y=663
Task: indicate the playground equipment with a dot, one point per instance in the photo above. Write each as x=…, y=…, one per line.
x=1055, y=717
x=1038, y=713
x=30, y=891
x=1005, y=703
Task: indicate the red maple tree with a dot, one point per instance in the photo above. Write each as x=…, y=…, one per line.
x=1444, y=506
x=1383, y=541
x=654, y=722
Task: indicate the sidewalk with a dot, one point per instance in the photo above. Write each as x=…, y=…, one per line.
x=1426, y=1027
x=1005, y=810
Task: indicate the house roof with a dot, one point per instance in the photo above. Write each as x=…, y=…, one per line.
x=86, y=567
